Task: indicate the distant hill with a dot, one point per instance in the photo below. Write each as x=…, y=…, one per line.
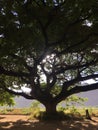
x=21, y=102
x=91, y=95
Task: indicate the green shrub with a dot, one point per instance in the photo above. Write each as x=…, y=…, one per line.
x=70, y=104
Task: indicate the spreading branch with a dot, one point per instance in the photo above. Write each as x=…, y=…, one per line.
x=69, y=26
x=13, y=73
x=19, y=93
x=84, y=88
x=23, y=62
x=75, y=67
x=65, y=92
x=37, y=18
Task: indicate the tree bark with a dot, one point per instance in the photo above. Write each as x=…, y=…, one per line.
x=51, y=108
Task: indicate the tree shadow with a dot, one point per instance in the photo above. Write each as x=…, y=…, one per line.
x=2, y=118
x=49, y=125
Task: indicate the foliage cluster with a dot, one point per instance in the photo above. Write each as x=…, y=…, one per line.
x=6, y=99
x=57, y=40
x=71, y=103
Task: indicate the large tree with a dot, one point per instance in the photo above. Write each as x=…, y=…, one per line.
x=49, y=47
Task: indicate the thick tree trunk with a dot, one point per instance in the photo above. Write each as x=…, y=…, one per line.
x=51, y=108
x=51, y=112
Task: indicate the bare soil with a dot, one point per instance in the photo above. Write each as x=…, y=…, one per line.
x=21, y=122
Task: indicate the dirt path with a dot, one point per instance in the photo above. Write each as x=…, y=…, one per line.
x=20, y=122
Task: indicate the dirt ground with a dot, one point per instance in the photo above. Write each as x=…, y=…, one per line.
x=21, y=122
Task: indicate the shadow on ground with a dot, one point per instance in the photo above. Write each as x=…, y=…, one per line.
x=49, y=125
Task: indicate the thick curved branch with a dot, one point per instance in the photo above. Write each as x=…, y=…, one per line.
x=65, y=92
x=37, y=18
x=87, y=77
x=16, y=92
x=29, y=68
x=75, y=90
x=83, y=88
x=53, y=81
x=75, y=67
x=70, y=48
x=66, y=85
x=63, y=37
x=44, y=71
x=13, y=73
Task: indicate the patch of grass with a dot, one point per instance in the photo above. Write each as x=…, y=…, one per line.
x=26, y=111
x=36, y=113
x=14, y=111
x=3, y=111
